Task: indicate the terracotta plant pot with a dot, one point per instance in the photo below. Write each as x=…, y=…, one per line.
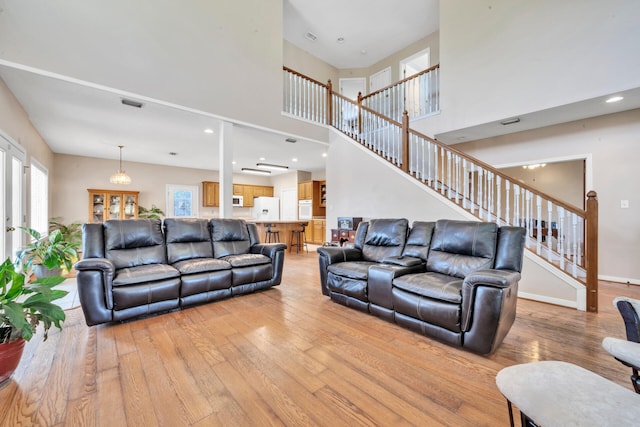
x=10, y=354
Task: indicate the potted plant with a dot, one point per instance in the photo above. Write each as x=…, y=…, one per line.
x=46, y=256
x=152, y=213
x=71, y=233
x=23, y=306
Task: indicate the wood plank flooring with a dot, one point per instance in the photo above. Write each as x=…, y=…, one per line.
x=289, y=356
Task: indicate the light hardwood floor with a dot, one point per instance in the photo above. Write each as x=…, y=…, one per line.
x=289, y=356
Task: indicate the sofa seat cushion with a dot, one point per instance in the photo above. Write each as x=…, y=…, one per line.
x=432, y=285
x=144, y=295
x=201, y=265
x=246, y=260
x=430, y=311
x=358, y=270
x=144, y=273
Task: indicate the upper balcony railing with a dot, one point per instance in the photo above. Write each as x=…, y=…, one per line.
x=556, y=231
x=418, y=94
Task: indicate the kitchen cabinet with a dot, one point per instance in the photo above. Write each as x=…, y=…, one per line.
x=111, y=204
x=305, y=190
x=323, y=194
x=318, y=231
x=311, y=190
x=248, y=192
x=210, y=194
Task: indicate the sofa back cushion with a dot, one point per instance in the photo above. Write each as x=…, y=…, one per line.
x=229, y=237
x=419, y=240
x=460, y=247
x=510, y=248
x=384, y=238
x=134, y=242
x=187, y=238
x=93, y=240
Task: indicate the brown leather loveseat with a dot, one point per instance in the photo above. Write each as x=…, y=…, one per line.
x=137, y=267
x=456, y=281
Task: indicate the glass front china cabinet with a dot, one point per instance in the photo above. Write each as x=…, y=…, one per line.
x=111, y=204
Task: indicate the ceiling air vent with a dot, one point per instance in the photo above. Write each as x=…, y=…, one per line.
x=131, y=103
x=310, y=36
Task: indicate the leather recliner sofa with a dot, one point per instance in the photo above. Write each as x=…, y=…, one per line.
x=455, y=281
x=132, y=268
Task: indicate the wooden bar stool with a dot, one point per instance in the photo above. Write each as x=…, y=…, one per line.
x=271, y=236
x=298, y=239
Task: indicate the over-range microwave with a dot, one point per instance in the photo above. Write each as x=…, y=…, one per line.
x=238, y=201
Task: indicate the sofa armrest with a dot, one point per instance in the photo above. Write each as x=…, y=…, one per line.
x=381, y=278
x=339, y=254
x=95, y=284
x=268, y=249
x=488, y=308
x=332, y=255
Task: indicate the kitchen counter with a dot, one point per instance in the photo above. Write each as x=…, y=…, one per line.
x=283, y=226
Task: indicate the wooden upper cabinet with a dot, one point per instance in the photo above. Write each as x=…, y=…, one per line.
x=323, y=194
x=111, y=204
x=305, y=190
x=316, y=192
x=210, y=194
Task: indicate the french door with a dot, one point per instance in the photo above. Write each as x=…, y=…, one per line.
x=12, y=199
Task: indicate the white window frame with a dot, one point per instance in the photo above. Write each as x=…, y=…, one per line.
x=195, y=200
x=39, y=198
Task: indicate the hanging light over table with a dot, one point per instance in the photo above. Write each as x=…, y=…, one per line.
x=120, y=177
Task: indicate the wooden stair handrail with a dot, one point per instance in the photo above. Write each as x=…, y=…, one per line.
x=406, y=79
x=589, y=214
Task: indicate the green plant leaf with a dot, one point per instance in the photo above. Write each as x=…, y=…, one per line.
x=14, y=312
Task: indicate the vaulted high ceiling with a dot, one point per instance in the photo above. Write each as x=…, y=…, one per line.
x=82, y=118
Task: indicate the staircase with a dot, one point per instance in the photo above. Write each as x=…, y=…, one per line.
x=556, y=231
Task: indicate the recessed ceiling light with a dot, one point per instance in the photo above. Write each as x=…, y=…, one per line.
x=208, y=130
x=295, y=159
x=233, y=162
x=340, y=40
x=262, y=158
x=324, y=154
x=310, y=36
x=291, y=140
x=614, y=99
x=173, y=153
x=363, y=51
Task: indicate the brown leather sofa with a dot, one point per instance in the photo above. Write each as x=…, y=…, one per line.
x=132, y=268
x=456, y=281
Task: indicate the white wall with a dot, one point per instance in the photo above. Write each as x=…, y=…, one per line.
x=15, y=123
x=502, y=58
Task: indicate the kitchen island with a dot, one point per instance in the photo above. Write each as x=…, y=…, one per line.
x=283, y=226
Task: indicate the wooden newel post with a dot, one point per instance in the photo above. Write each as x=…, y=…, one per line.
x=405, y=141
x=359, y=114
x=591, y=251
x=329, y=103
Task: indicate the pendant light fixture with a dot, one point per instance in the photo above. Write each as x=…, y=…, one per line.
x=120, y=177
